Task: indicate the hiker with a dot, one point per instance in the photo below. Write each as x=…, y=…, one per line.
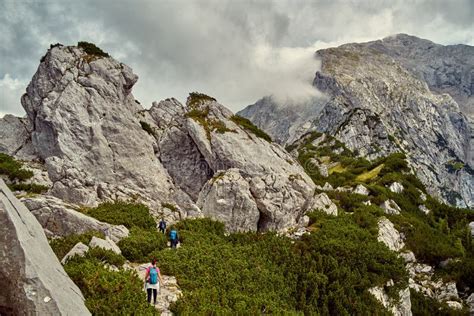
x=173, y=237
x=152, y=276
x=162, y=226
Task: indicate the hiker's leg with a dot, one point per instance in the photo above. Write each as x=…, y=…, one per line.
x=155, y=292
x=148, y=293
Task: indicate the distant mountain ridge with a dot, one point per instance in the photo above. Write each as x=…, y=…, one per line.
x=386, y=96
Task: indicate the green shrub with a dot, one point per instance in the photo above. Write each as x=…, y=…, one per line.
x=253, y=273
x=123, y=213
x=61, y=246
x=108, y=292
x=28, y=187
x=91, y=49
x=429, y=243
x=13, y=169
x=195, y=98
x=147, y=128
x=105, y=255
x=140, y=244
x=246, y=124
x=209, y=125
x=425, y=306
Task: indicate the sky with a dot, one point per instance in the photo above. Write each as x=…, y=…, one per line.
x=236, y=51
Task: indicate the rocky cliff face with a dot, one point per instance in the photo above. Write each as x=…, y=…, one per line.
x=33, y=280
x=232, y=174
x=378, y=105
x=97, y=144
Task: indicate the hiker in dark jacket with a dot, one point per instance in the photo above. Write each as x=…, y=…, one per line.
x=162, y=226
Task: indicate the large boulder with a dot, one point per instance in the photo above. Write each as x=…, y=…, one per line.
x=33, y=280
x=227, y=198
x=60, y=219
x=13, y=134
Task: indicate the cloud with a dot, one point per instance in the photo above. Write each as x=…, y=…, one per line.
x=236, y=51
x=11, y=90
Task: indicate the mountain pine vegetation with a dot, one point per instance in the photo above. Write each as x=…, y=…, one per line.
x=327, y=271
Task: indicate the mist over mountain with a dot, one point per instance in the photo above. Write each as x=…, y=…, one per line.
x=401, y=92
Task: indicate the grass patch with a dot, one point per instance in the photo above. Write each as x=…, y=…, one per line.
x=13, y=168
x=337, y=169
x=209, y=125
x=369, y=175
x=246, y=124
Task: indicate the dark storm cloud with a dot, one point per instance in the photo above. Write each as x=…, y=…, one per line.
x=236, y=51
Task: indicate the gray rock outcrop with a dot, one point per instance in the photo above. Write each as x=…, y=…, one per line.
x=396, y=187
x=233, y=175
x=389, y=235
x=33, y=280
x=79, y=249
x=360, y=189
x=227, y=198
x=106, y=244
x=83, y=126
x=60, y=219
x=398, y=308
x=98, y=144
x=14, y=134
x=323, y=203
x=390, y=207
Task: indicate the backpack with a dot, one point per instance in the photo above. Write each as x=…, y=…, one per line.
x=173, y=235
x=153, y=275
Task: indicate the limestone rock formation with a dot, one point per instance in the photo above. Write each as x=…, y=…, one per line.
x=400, y=308
x=323, y=203
x=396, y=187
x=227, y=198
x=390, y=207
x=98, y=144
x=389, y=235
x=390, y=95
x=83, y=126
x=33, y=280
x=360, y=189
x=106, y=244
x=233, y=175
x=61, y=219
x=79, y=249
x=13, y=134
